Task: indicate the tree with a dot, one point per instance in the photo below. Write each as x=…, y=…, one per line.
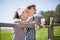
x=58, y=9
x=57, y=14
x=47, y=15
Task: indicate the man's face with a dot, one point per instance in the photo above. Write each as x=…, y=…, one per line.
x=33, y=10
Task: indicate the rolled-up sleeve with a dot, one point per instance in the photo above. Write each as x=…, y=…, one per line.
x=15, y=20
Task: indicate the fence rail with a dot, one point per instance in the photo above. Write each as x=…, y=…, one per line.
x=15, y=25
x=24, y=25
x=56, y=24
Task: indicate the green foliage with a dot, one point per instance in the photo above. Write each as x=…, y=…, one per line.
x=58, y=13
x=47, y=15
x=55, y=14
x=58, y=9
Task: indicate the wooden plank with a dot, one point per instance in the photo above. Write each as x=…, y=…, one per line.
x=56, y=24
x=18, y=25
x=15, y=25
x=50, y=33
x=50, y=29
x=56, y=36
x=24, y=25
x=47, y=26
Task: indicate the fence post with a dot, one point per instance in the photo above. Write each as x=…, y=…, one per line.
x=50, y=29
x=0, y=27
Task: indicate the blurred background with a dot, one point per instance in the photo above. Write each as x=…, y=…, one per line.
x=45, y=8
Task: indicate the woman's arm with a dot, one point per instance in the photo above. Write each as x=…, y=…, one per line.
x=29, y=21
x=17, y=20
x=26, y=22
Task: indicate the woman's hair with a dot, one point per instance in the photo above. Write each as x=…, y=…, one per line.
x=16, y=15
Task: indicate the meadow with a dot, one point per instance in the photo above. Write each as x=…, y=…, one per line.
x=41, y=34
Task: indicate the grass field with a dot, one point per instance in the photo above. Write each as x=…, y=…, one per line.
x=41, y=34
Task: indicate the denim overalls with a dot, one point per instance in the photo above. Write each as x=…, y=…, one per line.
x=31, y=33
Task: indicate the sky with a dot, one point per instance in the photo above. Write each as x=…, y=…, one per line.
x=8, y=7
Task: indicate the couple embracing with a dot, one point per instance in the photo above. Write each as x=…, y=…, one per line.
x=25, y=16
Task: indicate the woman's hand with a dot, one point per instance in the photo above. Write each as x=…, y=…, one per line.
x=25, y=30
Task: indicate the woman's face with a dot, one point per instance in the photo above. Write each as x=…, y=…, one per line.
x=25, y=14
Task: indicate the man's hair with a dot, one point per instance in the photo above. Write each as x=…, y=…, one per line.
x=30, y=6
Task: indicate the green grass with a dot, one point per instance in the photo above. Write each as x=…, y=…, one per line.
x=41, y=34
x=6, y=35
x=57, y=30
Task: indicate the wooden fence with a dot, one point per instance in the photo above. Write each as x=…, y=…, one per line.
x=50, y=27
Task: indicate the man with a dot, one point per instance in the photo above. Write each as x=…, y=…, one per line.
x=30, y=34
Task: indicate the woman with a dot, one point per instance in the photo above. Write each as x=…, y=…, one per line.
x=20, y=18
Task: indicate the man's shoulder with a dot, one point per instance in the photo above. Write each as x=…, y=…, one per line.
x=37, y=18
